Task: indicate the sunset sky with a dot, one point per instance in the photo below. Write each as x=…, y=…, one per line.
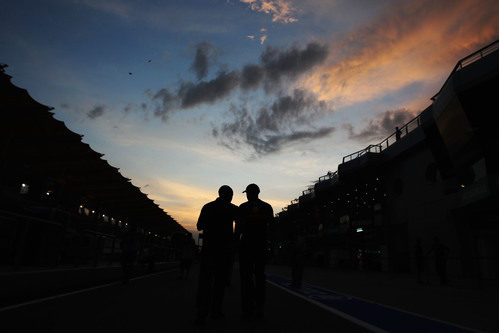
x=185, y=96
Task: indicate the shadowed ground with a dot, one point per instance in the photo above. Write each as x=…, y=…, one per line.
x=162, y=303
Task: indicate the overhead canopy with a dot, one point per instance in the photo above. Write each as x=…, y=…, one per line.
x=45, y=148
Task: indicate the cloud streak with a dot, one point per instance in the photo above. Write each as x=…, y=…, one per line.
x=275, y=66
x=267, y=129
x=281, y=10
x=410, y=42
x=96, y=112
x=290, y=118
x=206, y=55
x=381, y=127
x=292, y=62
x=192, y=94
x=182, y=200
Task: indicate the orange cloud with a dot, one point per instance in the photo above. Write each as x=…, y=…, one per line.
x=281, y=10
x=414, y=42
x=182, y=201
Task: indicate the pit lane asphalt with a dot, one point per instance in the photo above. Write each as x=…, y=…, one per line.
x=163, y=303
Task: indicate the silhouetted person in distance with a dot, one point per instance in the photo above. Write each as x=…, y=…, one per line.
x=216, y=222
x=129, y=246
x=441, y=253
x=297, y=260
x=398, y=133
x=188, y=252
x=251, y=235
x=419, y=259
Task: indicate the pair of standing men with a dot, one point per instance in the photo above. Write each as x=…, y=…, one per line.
x=252, y=219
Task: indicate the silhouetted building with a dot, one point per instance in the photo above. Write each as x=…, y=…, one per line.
x=439, y=179
x=60, y=202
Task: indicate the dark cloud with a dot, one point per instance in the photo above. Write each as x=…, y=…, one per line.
x=382, y=126
x=96, y=112
x=132, y=107
x=166, y=103
x=292, y=62
x=274, y=65
x=128, y=108
x=208, y=91
x=206, y=54
x=275, y=142
x=288, y=119
x=252, y=76
x=299, y=108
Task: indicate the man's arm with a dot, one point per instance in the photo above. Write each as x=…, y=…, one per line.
x=202, y=220
x=269, y=224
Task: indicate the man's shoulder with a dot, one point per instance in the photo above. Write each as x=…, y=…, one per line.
x=261, y=203
x=265, y=204
x=210, y=204
x=216, y=204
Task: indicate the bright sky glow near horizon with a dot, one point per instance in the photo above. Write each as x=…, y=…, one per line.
x=185, y=96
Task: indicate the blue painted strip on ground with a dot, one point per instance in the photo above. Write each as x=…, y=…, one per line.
x=385, y=318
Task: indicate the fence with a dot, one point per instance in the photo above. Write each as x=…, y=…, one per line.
x=390, y=140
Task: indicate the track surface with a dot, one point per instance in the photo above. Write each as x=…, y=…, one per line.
x=163, y=303
x=375, y=317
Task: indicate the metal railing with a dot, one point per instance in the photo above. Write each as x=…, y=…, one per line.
x=379, y=147
x=329, y=175
x=308, y=190
x=416, y=122
x=411, y=125
x=468, y=60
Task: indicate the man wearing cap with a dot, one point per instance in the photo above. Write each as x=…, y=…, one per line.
x=216, y=222
x=252, y=226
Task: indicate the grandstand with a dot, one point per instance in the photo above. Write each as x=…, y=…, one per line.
x=61, y=203
x=439, y=178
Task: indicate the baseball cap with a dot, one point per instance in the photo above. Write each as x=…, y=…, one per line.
x=252, y=188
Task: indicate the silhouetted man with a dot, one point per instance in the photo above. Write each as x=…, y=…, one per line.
x=216, y=222
x=129, y=246
x=297, y=260
x=419, y=258
x=251, y=235
x=188, y=249
x=441, y=252
x=398, y=133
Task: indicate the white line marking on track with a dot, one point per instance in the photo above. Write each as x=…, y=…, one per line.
x=334, y=311
x=379, y=304
x=41, y=271
x=40, y=300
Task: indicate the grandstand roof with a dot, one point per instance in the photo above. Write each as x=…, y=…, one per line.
x=34, y=138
